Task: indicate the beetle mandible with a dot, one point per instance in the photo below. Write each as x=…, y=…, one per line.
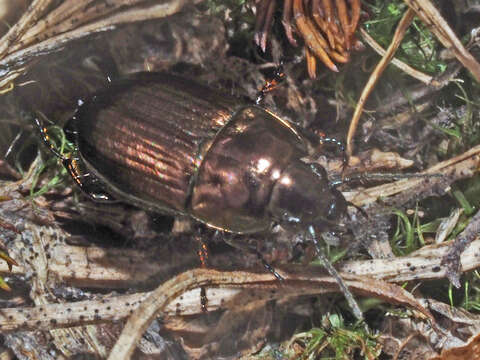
x=167, y=144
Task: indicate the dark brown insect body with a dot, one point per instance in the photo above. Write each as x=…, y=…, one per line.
x=170, y=145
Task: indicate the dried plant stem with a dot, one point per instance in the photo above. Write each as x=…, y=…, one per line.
x=159, y=298
x=426, y=79
x=461, y=166
x=164, y=294
x=37, y=33
x=127, y=16
x=125, y=276
x=374, y=77
x=68, y=15
x=31, y=16
x=429, y=14
x=424, y=264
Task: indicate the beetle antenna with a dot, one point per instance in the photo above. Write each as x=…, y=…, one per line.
x=334, y=273
x=378, y=176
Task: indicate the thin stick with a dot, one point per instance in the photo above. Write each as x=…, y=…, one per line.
x=31, y=15
x=429, y=14
x=127, y=16
x=426, y=79
x=397, y=39
x=164, y=294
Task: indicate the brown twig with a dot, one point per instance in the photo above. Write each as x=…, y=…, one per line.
x=159, y=298
x=461, y=166
x=429, y=14
x=374, y=77
x=16, y=48
x=426, y=79
x=31, y=16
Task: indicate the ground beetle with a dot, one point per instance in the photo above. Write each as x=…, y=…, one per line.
x=167, y=144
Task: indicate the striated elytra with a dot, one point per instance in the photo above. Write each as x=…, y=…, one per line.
x=167, y=144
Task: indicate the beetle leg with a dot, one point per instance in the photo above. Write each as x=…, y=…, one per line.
x=46, y=139
x=73, y=165
x=202, y=253
x=89, y=187
x=360, y=210
x=335, y=142
x=245, y=247
x=333, y=272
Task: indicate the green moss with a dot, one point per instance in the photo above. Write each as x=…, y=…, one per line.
x=419, y=48
x=335, y=340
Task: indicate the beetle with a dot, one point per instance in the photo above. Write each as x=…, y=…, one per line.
x=170, y=145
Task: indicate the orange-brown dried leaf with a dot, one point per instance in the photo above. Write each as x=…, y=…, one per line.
x=311, y=63
x=287, y=21
x=322, y=24
x=355, y=13
x=343, y=17
x=469, y=351
x=313, y=39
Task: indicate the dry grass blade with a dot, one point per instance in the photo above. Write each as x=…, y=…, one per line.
x=468, y=351
x=167, y=292
x=34, y=33
x=458, y=167
x=375, y=76
x=30, y=17
x=69, y=15
x=423, y=264
x=237, y=292
x=426, y=79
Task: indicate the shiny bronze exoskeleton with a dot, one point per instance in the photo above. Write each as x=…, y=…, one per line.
x=170, y=145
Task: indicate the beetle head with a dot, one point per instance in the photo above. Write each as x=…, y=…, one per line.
x=302, y=196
